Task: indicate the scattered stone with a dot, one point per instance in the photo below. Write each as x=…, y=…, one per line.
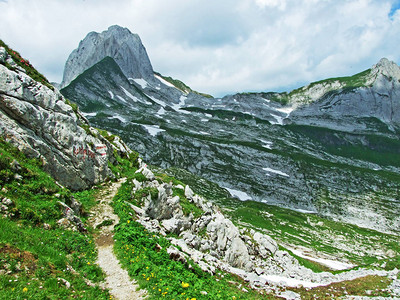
x=188, y=192
x=64, y=282
x=289, y=295
x=176, y=255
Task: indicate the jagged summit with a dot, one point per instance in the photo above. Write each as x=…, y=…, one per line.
x=118, y=43
x=387, y=68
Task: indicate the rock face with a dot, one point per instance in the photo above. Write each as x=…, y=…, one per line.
x=116, y=42
x=40, y=123
x=344, y=108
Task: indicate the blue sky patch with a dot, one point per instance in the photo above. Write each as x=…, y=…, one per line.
x=395, y=7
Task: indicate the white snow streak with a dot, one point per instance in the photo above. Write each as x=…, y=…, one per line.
x=122, y=99
x=164, y=81
x=269, y=170
x=93, y=114
x=111, y=94
x=161, y=111
x=153, y=129
x=333, y=264
x=122, y=119
x=140, y=81
x=238, y=194
x=129, y=95
x=289, y=281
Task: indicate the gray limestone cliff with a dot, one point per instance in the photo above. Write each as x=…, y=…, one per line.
x=118, y=43
x=41, y=124
x=345, y=104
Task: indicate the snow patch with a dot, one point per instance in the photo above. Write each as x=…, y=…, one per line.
x=243, y=196
x=122, y=119
x=204, y=120
x=204, y=133
x=333, y=264
x=177, y=106
x=266, y=144
x=279, y=120
x=208, y=115
x=164, y=81
x=153, y=129
x=269, y=170
x=93, y=114
x=159, y=102
x=304, y=211
x=289, y=281
x=286, y=110
x=129, y=94
x=161, y=111
x=111, y=94
x=122, y=99
x=140, y=81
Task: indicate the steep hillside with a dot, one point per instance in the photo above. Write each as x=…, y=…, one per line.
x=266, y=147
x=37, y=119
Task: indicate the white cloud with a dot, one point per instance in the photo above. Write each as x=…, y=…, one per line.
x=216, y=47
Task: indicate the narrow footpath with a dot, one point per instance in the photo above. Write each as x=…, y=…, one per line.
x=117, y=279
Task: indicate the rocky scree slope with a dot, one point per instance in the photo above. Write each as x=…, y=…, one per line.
x=280, y=155
x=199, y=232
x=39, y=121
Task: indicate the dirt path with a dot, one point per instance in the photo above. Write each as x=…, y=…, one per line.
x=117, y=279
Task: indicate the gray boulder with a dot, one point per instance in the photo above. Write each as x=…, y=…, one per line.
x=266, y=245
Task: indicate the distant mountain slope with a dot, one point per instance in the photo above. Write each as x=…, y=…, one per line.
x=264, y=146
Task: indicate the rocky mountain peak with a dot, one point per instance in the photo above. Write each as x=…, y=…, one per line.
x=116, y=42
x=387, y=68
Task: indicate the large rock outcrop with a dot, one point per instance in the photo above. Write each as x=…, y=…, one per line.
x=118, y=43
x=339, y=105
x=40, y=123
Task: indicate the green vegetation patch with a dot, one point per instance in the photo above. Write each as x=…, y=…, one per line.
x=38, y=259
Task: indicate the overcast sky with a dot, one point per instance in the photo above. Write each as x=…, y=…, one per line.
x=217, y=47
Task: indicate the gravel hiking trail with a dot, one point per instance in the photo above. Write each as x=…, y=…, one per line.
x=117, y=279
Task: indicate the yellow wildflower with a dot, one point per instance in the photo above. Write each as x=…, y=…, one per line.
x=185, y=284
x=25, y=289
x=128, y=221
